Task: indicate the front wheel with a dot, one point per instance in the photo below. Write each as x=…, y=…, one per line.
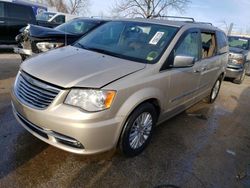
x=138, y=130
x=215, y=91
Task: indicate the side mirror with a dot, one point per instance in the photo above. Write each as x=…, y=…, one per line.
x=183, y=61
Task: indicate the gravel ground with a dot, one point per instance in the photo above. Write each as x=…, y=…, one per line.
x=205, y=146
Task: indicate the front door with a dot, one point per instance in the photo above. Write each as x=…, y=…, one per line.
x=184, y=82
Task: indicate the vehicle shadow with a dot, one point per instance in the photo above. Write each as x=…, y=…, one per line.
x=188, y=150
x=180, y=147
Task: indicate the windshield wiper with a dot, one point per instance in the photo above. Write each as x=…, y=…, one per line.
x=79, y=44
x=103, y=51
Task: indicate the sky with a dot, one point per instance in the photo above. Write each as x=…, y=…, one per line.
x=219, y=12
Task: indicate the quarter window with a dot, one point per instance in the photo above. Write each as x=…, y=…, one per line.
x=189, y=46
x=208, y=45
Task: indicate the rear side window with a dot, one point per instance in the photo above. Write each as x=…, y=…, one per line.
x=20, y=12
x=1, y=9
x=222, y=42
x=209, y=46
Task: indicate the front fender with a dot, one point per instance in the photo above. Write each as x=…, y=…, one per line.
x=139, y=97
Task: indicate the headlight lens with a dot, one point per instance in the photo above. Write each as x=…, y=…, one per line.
x=45, y=46
x=236, y=56
x=238, y=61
x=90, y=99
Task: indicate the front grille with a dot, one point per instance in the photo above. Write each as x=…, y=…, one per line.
x=34, y=93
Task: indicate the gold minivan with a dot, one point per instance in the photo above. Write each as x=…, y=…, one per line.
x=113, y=86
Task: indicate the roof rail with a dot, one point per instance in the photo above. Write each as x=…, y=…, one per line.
x=174, y=17
x=208, y=23
x=101, y=17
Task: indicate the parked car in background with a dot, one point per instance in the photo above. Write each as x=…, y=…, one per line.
x=114, y=85
x=239, y=58
x=53, y=19
x=13, y=17
x=36, y=39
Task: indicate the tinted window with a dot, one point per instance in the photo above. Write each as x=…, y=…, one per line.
x=1, y=9
x=20, y=11
x=142, y=42
x=189, y=46
x=208, y=45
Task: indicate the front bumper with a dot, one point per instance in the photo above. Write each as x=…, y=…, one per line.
x=233, y=73
x=69, y=128
x=234, y=70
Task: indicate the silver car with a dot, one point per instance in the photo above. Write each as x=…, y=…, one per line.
x=112, y=87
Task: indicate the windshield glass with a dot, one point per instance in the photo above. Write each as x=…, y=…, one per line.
x=77, y=27
x=142, y=42
x=45, y=16
x=238, y=42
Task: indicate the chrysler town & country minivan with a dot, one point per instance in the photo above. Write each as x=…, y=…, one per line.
x=113, y=86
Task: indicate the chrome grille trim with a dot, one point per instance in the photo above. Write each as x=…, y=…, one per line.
x=34, y=93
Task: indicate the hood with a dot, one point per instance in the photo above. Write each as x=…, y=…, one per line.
x=74, y=67
x=45, y=32
x=237, y=50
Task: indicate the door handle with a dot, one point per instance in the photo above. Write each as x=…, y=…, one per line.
x=199, y=70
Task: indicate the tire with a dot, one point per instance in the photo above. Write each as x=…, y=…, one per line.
x=132, y=131
x=241, y=78
x=248, y=70
x=214, y=92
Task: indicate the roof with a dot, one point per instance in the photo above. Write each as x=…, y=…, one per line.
x=173, y=23
x=240, y=36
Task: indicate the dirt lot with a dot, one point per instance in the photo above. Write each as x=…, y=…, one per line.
x=206, y=146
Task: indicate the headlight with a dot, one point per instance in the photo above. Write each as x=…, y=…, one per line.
x=45, y=46
x=90, y=99
x=238, y=61
x=236, y=56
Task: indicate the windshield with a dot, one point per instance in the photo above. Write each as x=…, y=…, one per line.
x=238, y=42
x=142, y=42
x=45, y=16
x=77, y=27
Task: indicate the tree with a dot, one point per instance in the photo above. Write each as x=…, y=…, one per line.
x=147, y=8
x=70, y=6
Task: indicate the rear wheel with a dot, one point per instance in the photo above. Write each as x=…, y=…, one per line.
x=138, y=130
x=215, y=91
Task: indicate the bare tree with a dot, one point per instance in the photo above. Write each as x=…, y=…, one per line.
x=147, y=8
x=76, y=6
x=70, y=6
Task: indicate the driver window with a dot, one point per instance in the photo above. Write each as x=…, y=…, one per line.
x=189, y=46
